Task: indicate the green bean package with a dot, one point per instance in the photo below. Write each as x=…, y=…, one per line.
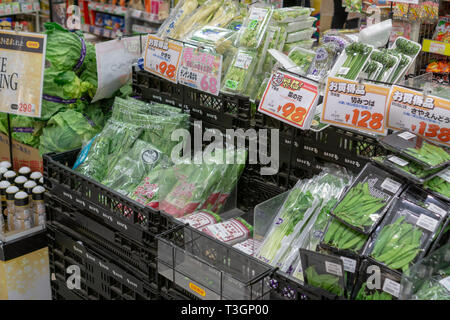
x=366, y=201
x=404, y=235
x=417, y=149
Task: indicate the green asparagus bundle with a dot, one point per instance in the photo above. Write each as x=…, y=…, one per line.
x=429, y=154
x=325, y=281
x=397, y=244
x=343, y=237
x=359, y=207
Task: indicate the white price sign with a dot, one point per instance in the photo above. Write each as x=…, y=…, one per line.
x=428, y=116
x=200, y=69
x=406, y=1
x=162, y=57
x=290, y=99
x=360, y=106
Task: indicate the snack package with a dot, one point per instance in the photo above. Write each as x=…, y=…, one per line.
x=404, y=236
x=366, y=201
x=417, y=149
x=255, y=25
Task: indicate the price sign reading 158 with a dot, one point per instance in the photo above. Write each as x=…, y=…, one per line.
x=290, y=99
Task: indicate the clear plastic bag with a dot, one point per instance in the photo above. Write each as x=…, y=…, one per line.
x=302, y=58
x=305, y=44
x=300, y=35
x=252, y=32
x=291, y=14
x=240, y=71
x=300, y=25
x=181, y=10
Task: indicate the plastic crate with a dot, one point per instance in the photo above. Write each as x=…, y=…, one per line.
x=101, y=276
x=151, y=87
x=113, y=209
x=138, y=255
x=209, y=269
x=60, y=291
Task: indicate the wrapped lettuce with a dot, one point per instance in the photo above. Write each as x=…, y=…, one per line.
x=65, y=50
x=26, y=130
x=68, y=130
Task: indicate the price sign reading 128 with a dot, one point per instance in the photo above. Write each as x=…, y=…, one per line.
x=427, y=116
x=162, y=57
x=360, y=106
x=290, y=99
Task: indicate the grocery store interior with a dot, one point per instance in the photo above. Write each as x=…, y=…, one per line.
x=224, y=150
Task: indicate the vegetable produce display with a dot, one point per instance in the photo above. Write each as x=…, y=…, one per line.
x=325, y=281
x=344, y=238
x=387, y=61
x=240, y=71
x=302, y=58
x=252, y=32
x=291, y=14
x=356, y=56
x=439, y=185
x=376, y=295
x=429, y=153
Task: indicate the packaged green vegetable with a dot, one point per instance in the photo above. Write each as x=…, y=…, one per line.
x=324, y=60
x=240, y=71
x=299, y=25
x=388, y=61
x=366, y=201
x=404, y=236
x=300, y=35
x=342, y=237
x=302, y=58
x=352, y=61
x=440, y=185
x=255, y=25
x=231, y=231
x=291, y=14
x=305, y=44
x=177, y=14
x=226, y=13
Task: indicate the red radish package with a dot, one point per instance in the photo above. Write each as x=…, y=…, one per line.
x=201, y=219
x=231, y=231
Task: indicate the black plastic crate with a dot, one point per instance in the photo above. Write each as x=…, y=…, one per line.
x=154, y=88
x=113, y=209
x=210, y=269
x=60, y=291
x=101, y=276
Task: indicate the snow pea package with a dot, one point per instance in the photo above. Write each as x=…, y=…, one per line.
x=69, y=129
x=404, y=236
x=429, y=279
x=240, y=71
x=366, y=201
x=133, y=166
x=440, y=185
x=252, y=32
x=417, y=149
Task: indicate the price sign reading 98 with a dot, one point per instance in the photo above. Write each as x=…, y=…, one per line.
x=290, y=99
x=162, y=57
x=427, y=116
x=356, y=105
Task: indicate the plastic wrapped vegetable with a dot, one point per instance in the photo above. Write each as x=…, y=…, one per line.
x=291, y=14
x=342, y=237
x=324, y=60
x=356, y=55
x=305, y=44
x=302, y=58
x=300, y=35
x=196, y=19
x=226, y=13
x=439, y=185
x=240, y=71
x=183, y=9
x=325, y=281
x=299, y=25
x=388, y=61
x=252, y=32
x=231, y=231
x=69, y=129
x=201, y=219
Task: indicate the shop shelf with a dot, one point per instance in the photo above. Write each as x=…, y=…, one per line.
x=101, y=276
x=209, y=269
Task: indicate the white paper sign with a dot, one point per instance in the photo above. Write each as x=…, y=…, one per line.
x=114, y=61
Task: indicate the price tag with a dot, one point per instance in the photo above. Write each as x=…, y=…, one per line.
x=354, y=105
x=436, y=47
x=428, y=116
x=445, y=175
x=406, y=1
x=427, y=222
x=391, y=287
x=290, y=99
x=349, y=264
x=398, y=161
x=333, y=268
x=200, y=70
x=162, y=57
x=436, y=209
x=390, y=185
x=407, y=135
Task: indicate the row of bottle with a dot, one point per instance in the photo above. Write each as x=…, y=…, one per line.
x=22, y=199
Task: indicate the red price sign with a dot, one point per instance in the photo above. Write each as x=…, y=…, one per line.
x=427, y=116
x=26, y=108
x=290, y=99
x=359, y=106
x=162, y=57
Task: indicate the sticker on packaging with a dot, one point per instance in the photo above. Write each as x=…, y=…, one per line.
x=243, y=60
x=349, y=264
x=445, y=283
x=162, y=57
x=445, y=175
x=427, y=116
x=427, y=222
x=359, y=106
x=290, y=99
x=434, y=208
x=391, y=287
x=407, y=135
x=200, y=70
x=390, y=185
x=398, y=161
x=333, y=268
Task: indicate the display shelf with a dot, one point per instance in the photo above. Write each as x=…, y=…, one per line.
x=101, y=32
x=433, y=46
x=20, y=8
x=107, y=8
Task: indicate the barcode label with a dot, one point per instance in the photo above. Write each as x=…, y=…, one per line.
x=398, y=161
x=427, y=222
x=407, y=135
x=391, y=287
x=390, y=185
x=436, y=209
x=349, y=264
x=445, y=283
x=343, y=70
x=333, y=268
x=243, y=61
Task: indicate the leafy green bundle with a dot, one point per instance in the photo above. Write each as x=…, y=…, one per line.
x=343, y=237
x=325, y=281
